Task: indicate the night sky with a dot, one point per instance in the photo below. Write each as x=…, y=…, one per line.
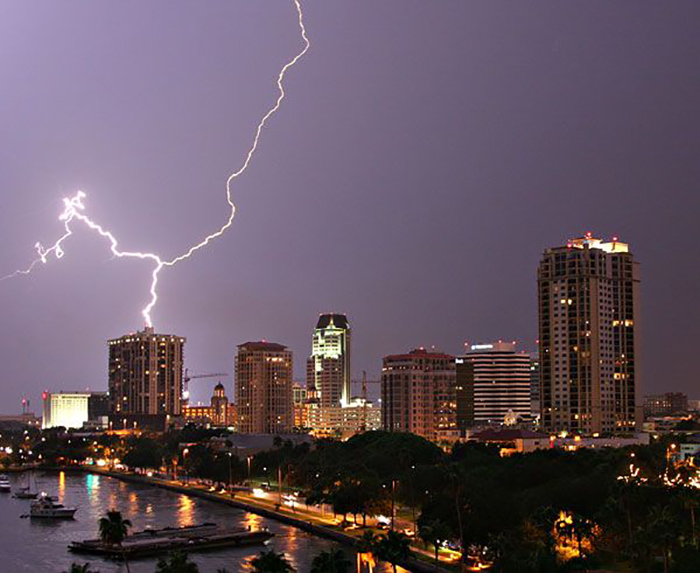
x=426, y=154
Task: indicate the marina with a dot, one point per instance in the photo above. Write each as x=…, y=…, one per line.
x=149, y=509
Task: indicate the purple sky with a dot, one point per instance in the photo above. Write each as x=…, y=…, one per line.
x=426, y=155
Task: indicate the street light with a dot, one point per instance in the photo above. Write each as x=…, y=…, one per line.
x=229, y=471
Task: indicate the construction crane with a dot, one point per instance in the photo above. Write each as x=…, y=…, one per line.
x=186, y=381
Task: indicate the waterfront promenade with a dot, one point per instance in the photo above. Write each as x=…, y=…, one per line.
x=266, y=504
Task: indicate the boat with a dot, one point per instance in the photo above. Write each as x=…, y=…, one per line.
x=47, y=507
x=25, y=492
x=4, y=484
x=150, y=542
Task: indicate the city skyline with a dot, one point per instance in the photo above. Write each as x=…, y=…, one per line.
x=395, y=161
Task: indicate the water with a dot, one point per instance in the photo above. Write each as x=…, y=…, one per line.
x=36, y=545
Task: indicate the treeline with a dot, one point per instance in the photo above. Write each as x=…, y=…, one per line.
x=549, y=510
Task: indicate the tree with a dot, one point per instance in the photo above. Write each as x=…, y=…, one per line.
x=434, y=533
x=176, y=562
x=144, y=453
x=330, y=562
x=271, y=562
x=113, y=530
x=394, y=548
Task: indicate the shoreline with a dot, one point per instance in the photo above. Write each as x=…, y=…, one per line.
x=413, y=564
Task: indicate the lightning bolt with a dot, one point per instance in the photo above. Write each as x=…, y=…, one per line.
x=74, y=207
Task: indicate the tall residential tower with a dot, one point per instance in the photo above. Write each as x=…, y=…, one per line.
x=145, y=374
x=589, y=327
x=419, y=394
x=263, y=388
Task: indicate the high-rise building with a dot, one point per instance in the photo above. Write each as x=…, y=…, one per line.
x=145, y=375
x=263, y=388
x=535, y=384
x=328, y=367
x=493, y=382
x=588, y=294
x=419, y=394
x=67, y=409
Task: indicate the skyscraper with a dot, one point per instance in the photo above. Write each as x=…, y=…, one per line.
x=328, y=367
x=145, y=374
x=419, y=394
x=588, y=294
x=493, y=380
x=263, y=388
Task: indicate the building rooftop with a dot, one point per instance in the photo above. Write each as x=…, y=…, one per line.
x=263, y=345
x=420, y=353
x=507, y=435
x=588, y=240
x=337, y=320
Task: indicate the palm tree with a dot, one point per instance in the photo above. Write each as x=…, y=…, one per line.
x=75, y=568
x=434, y=533
x=271, y=562
x=366, y=548
x=330, y=562
x=176, y=562
x=394, y=548
x=113, y=530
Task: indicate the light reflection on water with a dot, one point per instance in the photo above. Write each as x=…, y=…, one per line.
x=185, y=513
x=38, y=546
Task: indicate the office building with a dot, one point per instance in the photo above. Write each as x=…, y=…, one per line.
x=419, y=394
x=145, y=377
x=66, y=409
x=263, y=388
x=493, y=382
x=328, y=368
x=588, y=293
x=665, y=404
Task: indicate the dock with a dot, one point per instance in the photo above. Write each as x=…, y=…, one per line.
x=204, y=537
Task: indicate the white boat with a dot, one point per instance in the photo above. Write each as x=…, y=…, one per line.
x=4, y=484
x=46, y=506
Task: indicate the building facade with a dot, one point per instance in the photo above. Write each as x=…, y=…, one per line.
x=588, y=293
x=535, y=384
x=665, y=404
x=263, y=388
x=419, y=394
x=67, y=409
x=493, y=381
x=145, y=374
x=328, y=367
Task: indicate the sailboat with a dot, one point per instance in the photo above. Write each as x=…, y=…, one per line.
x=25, y=492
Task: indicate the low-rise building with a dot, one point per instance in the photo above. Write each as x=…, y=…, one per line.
x=342, y=422
x=513, y=441
x=666, y=404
